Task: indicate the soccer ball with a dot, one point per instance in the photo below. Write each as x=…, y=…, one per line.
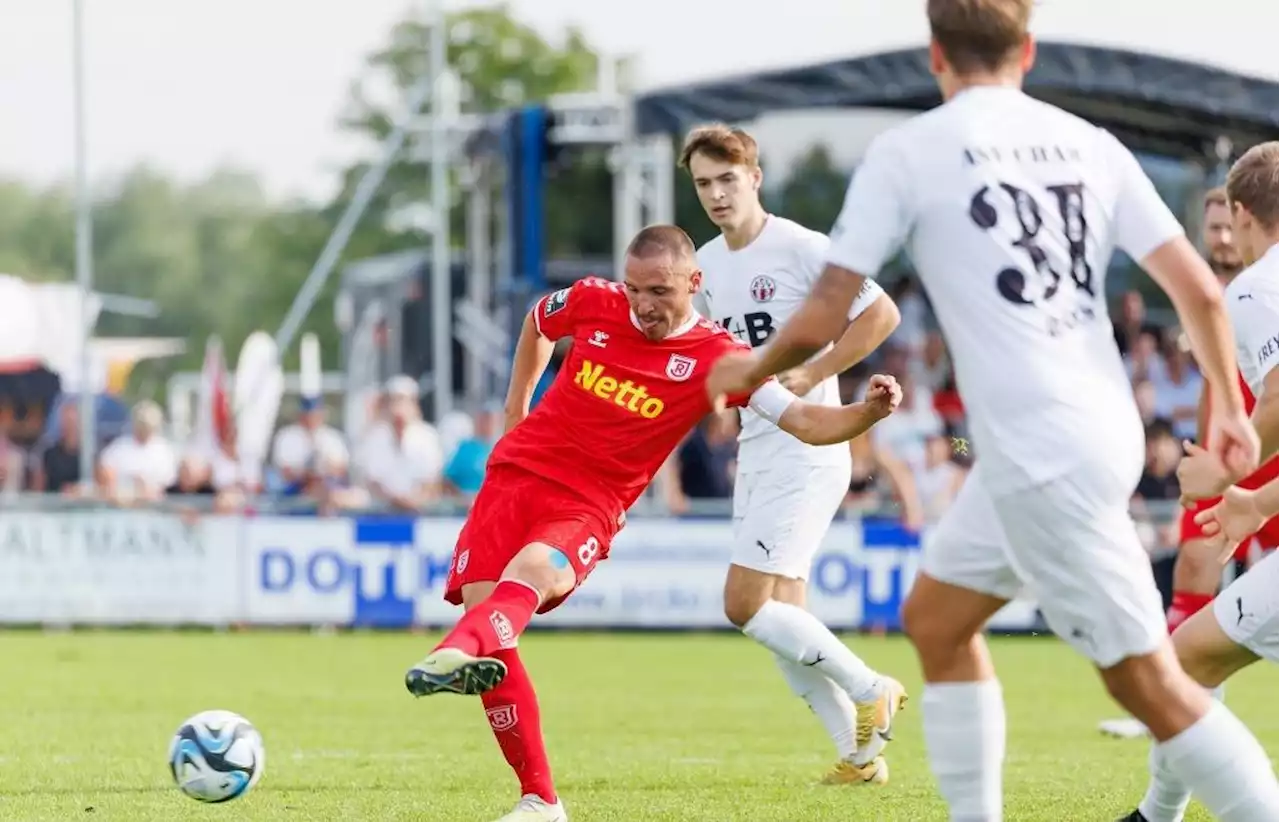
x=216, y=756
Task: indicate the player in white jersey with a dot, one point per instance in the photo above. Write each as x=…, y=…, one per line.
x=755, y=274
x=1243, y=625
x=1010, y=209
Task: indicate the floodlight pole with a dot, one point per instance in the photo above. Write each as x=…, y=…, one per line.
x=84, y=250
x=444, y=114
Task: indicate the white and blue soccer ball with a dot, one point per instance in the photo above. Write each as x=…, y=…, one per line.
x=216, y=756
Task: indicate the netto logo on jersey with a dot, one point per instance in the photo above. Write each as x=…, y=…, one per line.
x=626, y=394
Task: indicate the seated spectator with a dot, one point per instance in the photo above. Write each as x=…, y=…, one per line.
x=141, y=464
x=939, y=479
x=302, y=448
x=705, y=464
x=932, y=369
x=401, y=458
x=1144, y=396
x=1178, y=389
x=221, y=473
x=905, y=432
x=56, y=469
x=466, y=468
x=1131, y=322
x=1143, y=361
x=1158, y=524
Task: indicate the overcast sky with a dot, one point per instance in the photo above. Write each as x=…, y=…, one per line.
x=189, y=84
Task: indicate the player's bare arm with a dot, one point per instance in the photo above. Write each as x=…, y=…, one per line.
x=816, y=323
x=533, y=353
x=1197, y=297
x=1266, y=417
x=862, y=336
x=819, y=321
x=1239, y=515
x=825, y=425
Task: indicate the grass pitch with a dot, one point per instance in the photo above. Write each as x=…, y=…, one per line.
x=641, y=727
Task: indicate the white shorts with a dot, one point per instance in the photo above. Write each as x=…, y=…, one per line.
x=1070, y=545
x=780, y=516
x=1249, y=609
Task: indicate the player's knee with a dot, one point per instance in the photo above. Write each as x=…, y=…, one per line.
x=545, y=568
x=745, y=593
x=1196, y=568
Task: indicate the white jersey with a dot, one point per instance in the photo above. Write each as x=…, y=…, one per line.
x=1009, y=209
x=1253, y=301
x=753, y=291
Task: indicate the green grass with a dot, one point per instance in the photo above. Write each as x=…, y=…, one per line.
x=641, y=727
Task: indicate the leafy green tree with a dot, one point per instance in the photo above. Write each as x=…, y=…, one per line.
x=500, y=63
x=813, y=192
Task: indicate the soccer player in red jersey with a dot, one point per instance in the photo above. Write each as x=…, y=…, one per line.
x=560, y=481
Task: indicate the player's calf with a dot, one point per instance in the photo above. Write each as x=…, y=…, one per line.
x=1205, y=651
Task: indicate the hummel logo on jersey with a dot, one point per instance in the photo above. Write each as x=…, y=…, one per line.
x=599, y=339
x=625, y=394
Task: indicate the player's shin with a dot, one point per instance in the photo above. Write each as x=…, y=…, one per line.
x=1167, y=798
x=797, y=635
x=497, y=622
x=832, y=706
x=964, y=732
x=1225, y=768
x=512, y=711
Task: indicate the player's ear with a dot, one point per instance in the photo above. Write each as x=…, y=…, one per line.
x=1028, y=58
x=757, y=178
x=695, y=281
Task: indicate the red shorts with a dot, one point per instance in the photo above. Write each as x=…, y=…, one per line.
x=1268, y=536
x=515, y=508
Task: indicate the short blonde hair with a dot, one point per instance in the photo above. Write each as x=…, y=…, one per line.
x=1253, y=180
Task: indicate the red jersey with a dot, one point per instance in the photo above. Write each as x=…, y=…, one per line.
x=621, y=402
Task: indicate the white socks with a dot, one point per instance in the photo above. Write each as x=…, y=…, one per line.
x=829, y=703
x=796, y=635
x=964, y=730
x=1224, y=766
x=1167, y=798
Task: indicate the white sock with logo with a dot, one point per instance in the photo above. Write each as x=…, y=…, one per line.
x=798, y=636
x=829, y=703
x=964, y=731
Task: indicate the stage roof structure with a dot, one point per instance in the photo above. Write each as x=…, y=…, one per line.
x=1160, y=105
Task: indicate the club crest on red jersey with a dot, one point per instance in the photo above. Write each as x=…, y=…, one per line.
x=763, y=288
x=680, y=367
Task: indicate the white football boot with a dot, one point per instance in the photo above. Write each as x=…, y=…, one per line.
x=533, y=808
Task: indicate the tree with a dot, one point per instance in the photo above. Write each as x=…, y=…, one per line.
x=501, y=63
x=813, y=193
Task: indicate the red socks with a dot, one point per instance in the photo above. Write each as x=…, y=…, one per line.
x=495, y=623
x=512, y=710
x=491, y=629
x=1185, y=605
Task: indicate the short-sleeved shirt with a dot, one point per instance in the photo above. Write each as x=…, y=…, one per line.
x=753, y=291
x=621, y=402
x=1009, y=209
